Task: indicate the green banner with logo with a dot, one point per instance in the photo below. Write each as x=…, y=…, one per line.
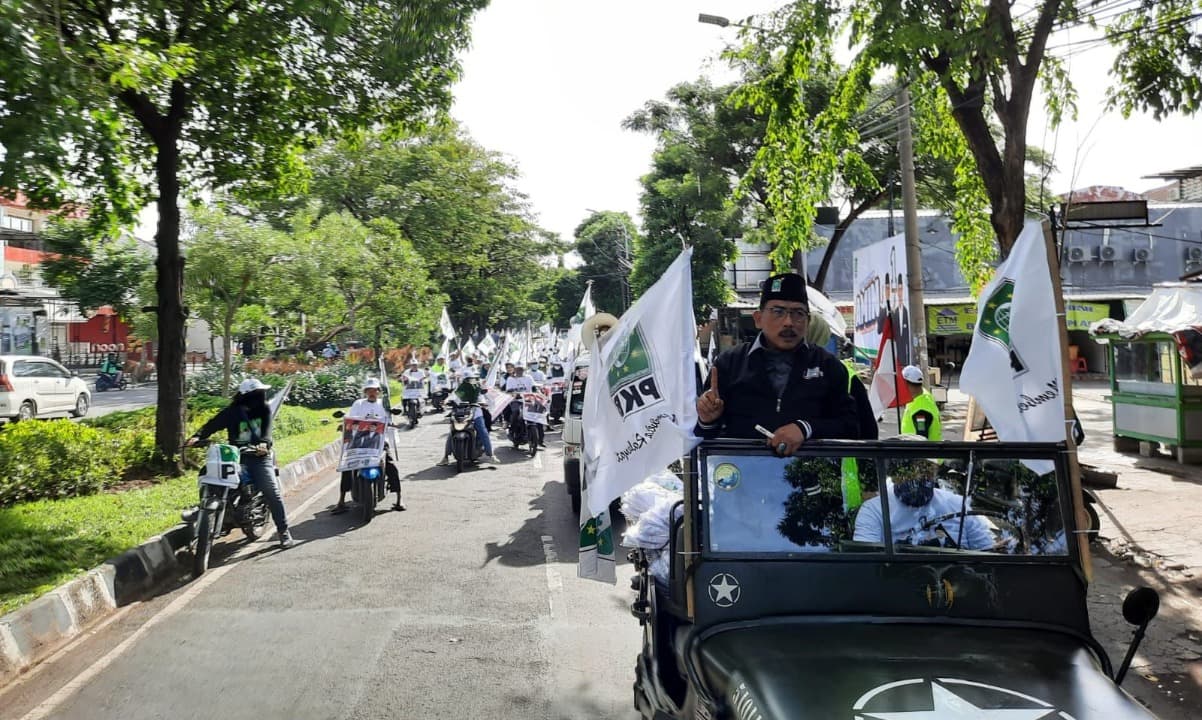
x=961, y=319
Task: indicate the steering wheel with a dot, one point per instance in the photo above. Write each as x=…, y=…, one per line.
x=1018, y=531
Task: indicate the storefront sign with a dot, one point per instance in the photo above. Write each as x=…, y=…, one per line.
x=961, y=319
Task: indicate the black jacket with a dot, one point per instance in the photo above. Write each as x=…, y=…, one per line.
x=243, y=425
x=816, y=393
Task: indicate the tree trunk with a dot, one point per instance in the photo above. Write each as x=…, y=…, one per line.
x=227, y=360
x=840, y=230
x=169, y=418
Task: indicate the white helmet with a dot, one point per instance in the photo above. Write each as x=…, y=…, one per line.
x=250, y=385
x=371, y=383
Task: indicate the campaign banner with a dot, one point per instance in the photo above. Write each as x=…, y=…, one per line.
x=413, y=386
x=534, y=407
x=961, y=319
x=362, y=443
x=880, y=286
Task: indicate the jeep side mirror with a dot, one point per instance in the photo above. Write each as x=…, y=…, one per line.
x=1139, y=607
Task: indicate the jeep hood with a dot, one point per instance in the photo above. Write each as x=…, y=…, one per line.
x=866, y=671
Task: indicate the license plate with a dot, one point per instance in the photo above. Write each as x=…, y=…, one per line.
x=571, y=452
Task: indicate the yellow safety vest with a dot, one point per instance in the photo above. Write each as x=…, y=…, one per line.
x=852, y=492
x=924, y=402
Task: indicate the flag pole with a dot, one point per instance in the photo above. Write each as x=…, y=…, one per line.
x=897, y=379
x=1066, y=384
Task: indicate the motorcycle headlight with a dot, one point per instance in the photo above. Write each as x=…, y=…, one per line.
x=370, y=473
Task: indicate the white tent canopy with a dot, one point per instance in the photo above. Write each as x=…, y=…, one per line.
x=1170, y=307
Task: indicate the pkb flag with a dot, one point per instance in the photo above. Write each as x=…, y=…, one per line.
x=1013, y=367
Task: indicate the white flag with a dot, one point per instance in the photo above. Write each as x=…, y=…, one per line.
x=469, y=348
x=640, y=402
x=584, y=312
x=487, y=345
x=1013, y=366
x=596, y=555
x=444, y=324
x=494, y=368
x=445, y=351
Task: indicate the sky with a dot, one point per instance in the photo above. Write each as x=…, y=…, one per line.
x=548, y=83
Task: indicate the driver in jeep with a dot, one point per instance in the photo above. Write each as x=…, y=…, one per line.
x=795, y=390
x=922, y=513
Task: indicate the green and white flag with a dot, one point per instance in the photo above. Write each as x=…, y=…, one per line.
x=584, y=312
x=487, y=345
x=596, y=557
x=1013, y=366
x=640, y=403
x=469, y=348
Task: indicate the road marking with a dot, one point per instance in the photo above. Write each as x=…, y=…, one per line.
x=554, y=579
x=50, y=704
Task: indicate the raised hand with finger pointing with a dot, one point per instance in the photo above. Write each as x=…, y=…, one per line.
x=709, y=403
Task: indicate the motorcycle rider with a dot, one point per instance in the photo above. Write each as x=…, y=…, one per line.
x=247, y=421
x=412, y=376
x=469, y=392
x=369, y=407
x=111, y=369
x=536, y=373
x=516, y=384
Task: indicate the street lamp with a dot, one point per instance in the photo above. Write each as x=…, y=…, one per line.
x=722, y=22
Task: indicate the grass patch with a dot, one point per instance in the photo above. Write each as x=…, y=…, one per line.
x=48, y=542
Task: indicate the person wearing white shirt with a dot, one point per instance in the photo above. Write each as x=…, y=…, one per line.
x=370, y=407
x=516, y=384
x=913, y=505
x=536, y=374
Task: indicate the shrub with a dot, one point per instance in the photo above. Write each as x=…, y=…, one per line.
x=57, y=458
x=335, y=385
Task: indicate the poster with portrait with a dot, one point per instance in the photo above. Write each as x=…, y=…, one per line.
x=534, y=407
x=880, y=285
x=362, y=443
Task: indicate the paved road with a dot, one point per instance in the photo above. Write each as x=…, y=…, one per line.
x=137, y=396
x=465, y=606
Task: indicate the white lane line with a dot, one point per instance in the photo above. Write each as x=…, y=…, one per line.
x=554, y=579
x=51, y=703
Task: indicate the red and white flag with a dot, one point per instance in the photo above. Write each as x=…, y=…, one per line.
x=884, y=392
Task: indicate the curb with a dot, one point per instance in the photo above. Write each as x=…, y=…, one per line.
x=32, y=633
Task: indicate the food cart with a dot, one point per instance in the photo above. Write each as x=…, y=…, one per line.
x=1155, y=393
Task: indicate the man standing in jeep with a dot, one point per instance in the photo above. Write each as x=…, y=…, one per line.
x=793, y=389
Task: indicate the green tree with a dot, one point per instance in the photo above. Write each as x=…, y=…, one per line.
x=704, y=145
x=360, y=278
x=973, y=68
x=455, y=202
x=229, y=262
x=91, y=272
x=134, y=99
x=606, y=241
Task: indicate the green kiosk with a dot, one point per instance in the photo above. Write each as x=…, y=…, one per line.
x=1155, y=393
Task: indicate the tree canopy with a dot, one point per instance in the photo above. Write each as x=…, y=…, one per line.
x=973, y=69
x=91, y=272
x=606, y=241
x=109, y=103
x=455, y=202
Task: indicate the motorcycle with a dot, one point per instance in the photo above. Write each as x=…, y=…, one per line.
x=411, y=398
x=440, y=389
x=559, y=403
x=229, y=498
x=527, y=415
x=369, y=483
x=108, y=381
x=466, y=444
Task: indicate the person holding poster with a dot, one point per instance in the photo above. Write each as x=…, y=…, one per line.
x=793, y=389
x=363, y=430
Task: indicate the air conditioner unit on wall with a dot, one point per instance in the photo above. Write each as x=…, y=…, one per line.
x=1076, y=254
x=1193, y=255
x=1107, y=253
x=1141, y=255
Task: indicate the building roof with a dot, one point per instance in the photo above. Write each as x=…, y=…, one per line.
x=1182, y=174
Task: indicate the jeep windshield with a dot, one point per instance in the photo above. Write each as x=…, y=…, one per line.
x=885, y=499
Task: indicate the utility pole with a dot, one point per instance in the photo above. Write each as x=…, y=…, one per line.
x=918, y=313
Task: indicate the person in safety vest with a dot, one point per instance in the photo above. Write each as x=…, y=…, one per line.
x=921, y=416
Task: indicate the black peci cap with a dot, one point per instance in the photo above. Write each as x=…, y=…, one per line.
x=786, y=286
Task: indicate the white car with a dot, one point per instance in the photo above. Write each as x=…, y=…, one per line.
x=31, y=385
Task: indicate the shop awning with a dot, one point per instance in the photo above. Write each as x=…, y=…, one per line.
x=1170, y=307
